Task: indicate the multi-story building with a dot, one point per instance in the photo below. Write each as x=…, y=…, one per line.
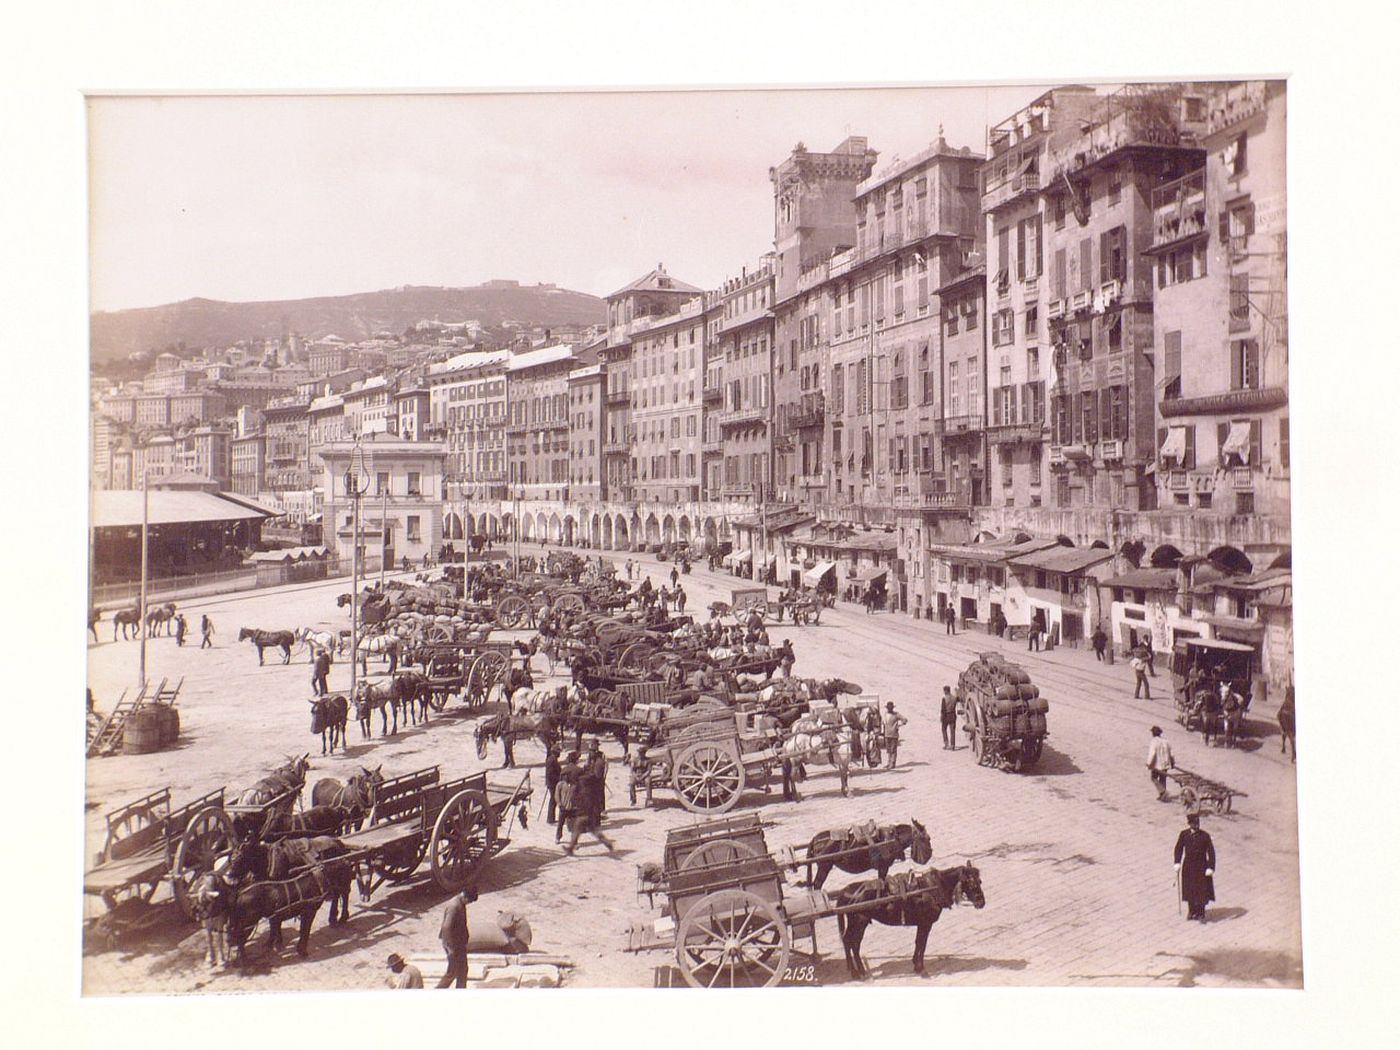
x=118, y=407
x=154, y=458
x=411, y=411
x=1221, y=314
x=287, y=452
x=401, y=505
x=197, y=407
x=327, y=356
x=814, y=216
x=631, y=307
x=537, y=428
x=467, y=410
x=153, y=410
x=586, y=413
x=744, y=362
x=667, y=371
x=326, y=420
x=962, y=360
x=205, y=451
x=173, y=378
x=248, y=459
x=368, y=406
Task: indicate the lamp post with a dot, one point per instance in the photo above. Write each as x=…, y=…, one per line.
x=145, y=544
x=383, y=530
x=356, y=477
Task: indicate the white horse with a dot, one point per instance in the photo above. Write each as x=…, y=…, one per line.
x=319, y=641
x=811, y=740
x=384, y=646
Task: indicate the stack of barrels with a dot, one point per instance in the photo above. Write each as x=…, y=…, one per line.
x=153, y=727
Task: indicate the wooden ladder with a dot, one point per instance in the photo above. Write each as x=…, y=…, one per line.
x=109, y=737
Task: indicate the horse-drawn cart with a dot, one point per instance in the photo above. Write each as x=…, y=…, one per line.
x=707, y=755
x=467, y=669
x=457, y=825
x=1003, y=713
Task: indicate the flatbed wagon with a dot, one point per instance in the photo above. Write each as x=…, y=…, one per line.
x=1197, y=790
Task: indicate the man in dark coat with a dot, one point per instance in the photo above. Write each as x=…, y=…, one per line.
x=1100, y=640
x=455, y=936
x=319, y=671
x=551, y=780
x=1194, y=857
x=948, y=719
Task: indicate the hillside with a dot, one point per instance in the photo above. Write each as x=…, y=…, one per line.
x=207, y=322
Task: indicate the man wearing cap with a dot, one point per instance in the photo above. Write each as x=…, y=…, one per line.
x=889, y=728
x=402, y=974
x=1159, y=760
x=1194, y=857
x=455, y=937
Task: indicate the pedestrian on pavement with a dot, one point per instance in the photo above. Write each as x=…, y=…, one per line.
x=680, y=599
x=206, y=630
x=1159, y=760
x=552, y=767
x=567, y=793
x=787, y=657
x=180, y=627
x=889, y=727
x=1033, y=635
x=596, y=758
x=588, y=809
x=1287, y=724
x=1140, y=670
x=319, y=670
x=403, y=975
x=675, y=576
x=1100, y=640
x=950, y=620
x=948, y=718
x=999, y=624
x=1151, y=656
x=1194, y=857
x=455, y=936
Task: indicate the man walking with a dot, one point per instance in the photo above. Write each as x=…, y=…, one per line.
x=948, y=718
x=455, y=937
x=589, y=808
x=403, y=974
x=786, y=657
x=1100, y=640
x=180, y=629
x=889, y=729
x=319, y=670
x=950, y=620
x=1149, y=654
x=551, y=781
x=680, y=600
x=1033, y=635
x=1140, y=670
x=1194, y=858
x=1159, y=760
x=206, y=630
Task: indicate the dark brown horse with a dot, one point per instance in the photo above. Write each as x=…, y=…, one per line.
x=127, y=620
x=908, y=898
x=357, y=795
x=855, y=853
x=328, y=717
x=93, y=616
x=508, y=728
x=385, y=697
x=288, y=777
x=283, y=640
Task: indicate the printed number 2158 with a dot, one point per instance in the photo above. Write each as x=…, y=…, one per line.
x=800, y=974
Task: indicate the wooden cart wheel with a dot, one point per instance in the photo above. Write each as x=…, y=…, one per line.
x=512, y=610
x=208, y=834
x=732, y=939
x=635, y=656
x=718, y=853
x=1223, y=804
x=978, y=746
x=486, y=671
x=440, y=633
x=708, y=777
x=569, y=602
x=1030, y=754
x=398, y=862
x=464, y=836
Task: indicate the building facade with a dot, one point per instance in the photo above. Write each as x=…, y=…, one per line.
x=667, y=378
x=467, y=407
x=586, y=414
x=744, y=361
x=287, y=449
x=537, y=429
x=401, y=503
x=248, y=460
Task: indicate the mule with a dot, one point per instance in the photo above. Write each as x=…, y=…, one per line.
x=290, y=776
x=910, y=898
x=328, y=717
x=283, y=640
x=507, y=728
x=358, y=794
x=127, y=620
x=414, y=696
x=812, y=741
x=387, y=646
x=890, y=843
x=385, y=697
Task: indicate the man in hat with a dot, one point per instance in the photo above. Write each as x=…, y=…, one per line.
x=319, y=671
x=889, y=729
x=1140, y=685
x=455, y=937
x=180, y=628
x=206, y=631
x=552, y=767
x=1159, y=760
x=1100, y=640
x=1194, y=857
x=403, y=974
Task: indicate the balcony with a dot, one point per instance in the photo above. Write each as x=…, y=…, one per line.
x=1081, y=301
x=1055, y=309
x=711, y=447
x=740, y=416
x=809, y=412
x=930, y=501
x=618, y=397
x=1016, y=433
x=952, y=426
x=1009, y=188
x=1179, y=209
x=1236, y=103
x=811, y=481
x=712, y=394
x=518, y=428
x=1111, y=450
x=1220, y=404
x=616, y=448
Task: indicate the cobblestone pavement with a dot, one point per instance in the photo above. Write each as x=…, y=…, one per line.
x=1075, y=856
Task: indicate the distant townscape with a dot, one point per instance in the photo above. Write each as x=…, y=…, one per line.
x=1045, y=380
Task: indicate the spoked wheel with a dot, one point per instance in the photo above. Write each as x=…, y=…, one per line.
x=512, y=610
x=634, y=658
x=440, y=633
x=464, y=836
x=979, y=747
x=569, y=602
x=732, y=939
x=1030, y=752
x=209, y=834
x=718, y=854
x=486, y=671
x=397, y=863
x=708, y=777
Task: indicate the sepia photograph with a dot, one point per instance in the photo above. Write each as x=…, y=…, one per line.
x=777, y=538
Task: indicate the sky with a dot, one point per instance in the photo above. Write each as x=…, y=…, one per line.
x=285, y=197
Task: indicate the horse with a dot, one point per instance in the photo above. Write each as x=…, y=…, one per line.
x=283, y=640
x=889, y=843
x=161, y=615
x=413, y=690
x=290, y=776
x=328, y=717
x=507, y=727
x=318, y=641
x=385, y=645
x=358, y=794
x=908, y=898
x=93, y=616
x=813, y=741
x=309, y=823
x=1287, y=725
x=384, y=697
x=127, y=619
x=866, y=742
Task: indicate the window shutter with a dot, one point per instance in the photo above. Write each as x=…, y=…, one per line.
x=1021, y=249
x=1283, y=442
x=1222, y=431
x=1038, y=253
x=1247, y=219
x=1106, y=430
x=1086, y=264
x=1011, y=396
x=1190, y=463
x=1255, y=442
x=1161, y=439
x=1105, y=255
x=1057, y=290
x=1236, y=353
x=1076, y=421
x=1172, y=364
x=1252, y=377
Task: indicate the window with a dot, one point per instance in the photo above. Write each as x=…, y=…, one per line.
x=1035, y=468
x=1244, y=503
x=970, y=312
x=1283, y=442
x=1171, y=371
x=1113, y=332
x=1237, y=226
x=974, y=388
x=1003, y=327
x=1059, y=212
x=1006, y=466
x=1057, y=273
x=414, y=483
x=1061, y=492
x=1113, y=255
x=1115, y=186
x=414, y=529
x=1244, y=364
x=1003, y=253
x=381, y=483
x=950, y=321
x=954, y=401
x=1032, y=321
x=1088, y=425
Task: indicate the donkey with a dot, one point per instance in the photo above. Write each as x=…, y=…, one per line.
x=909, y=898
x=358, y=795
x=328, y=717
x=838, y=848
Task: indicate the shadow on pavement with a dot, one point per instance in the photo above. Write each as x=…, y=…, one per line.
x=1054, y=764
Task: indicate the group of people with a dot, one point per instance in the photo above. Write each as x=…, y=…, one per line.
x=575, y=792
x=1194, y=854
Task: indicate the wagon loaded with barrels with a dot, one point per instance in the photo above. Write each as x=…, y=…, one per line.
x=1003, y=713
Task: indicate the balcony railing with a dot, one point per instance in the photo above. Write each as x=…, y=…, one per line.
x=738, y=416
x=1179, y=209
x=616, y=448
x=619, y=397
x=950, y=426
x=1012, y=433
x=712, y=393
x=930, y=501
x=1008, y=189
x=811, y=481
x=809, y=412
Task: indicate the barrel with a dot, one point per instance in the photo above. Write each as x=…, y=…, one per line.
x=170, y=724
x=142, y=733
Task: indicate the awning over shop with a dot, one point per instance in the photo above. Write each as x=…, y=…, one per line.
x=735, y=558
x=1234, y=627
x=870, y=573
x=1237, y=443
x=813, y=576
x=1062, y=559
x=1174, y=447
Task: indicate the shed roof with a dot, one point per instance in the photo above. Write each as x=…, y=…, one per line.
x=1062, y=559
x=121, y=508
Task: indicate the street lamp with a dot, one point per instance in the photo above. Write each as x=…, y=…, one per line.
x=356, y=481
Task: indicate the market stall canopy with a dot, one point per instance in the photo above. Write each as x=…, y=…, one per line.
x=121, y=508
x=870, y=573
x=1062, y=559
x=737, y=557
x=813, y=576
